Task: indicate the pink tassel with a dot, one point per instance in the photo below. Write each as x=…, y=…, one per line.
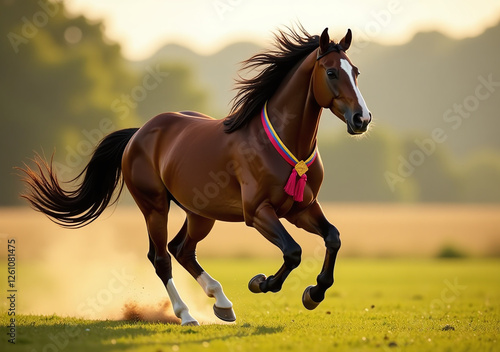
x=290, y=185
x=299, y=190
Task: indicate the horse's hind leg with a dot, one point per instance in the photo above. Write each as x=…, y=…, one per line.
x=157, y=228
x=152, y=198
x=183, y=247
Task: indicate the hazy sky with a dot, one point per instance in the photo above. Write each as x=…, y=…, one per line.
x=144, y=26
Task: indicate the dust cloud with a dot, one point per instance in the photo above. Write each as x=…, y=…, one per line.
x=133, y=311
x=98, y=272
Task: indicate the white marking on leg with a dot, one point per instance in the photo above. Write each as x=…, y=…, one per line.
x=214, y=289
x=347, y=67
x=180, y=308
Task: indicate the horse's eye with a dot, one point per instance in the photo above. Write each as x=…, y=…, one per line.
x=332, y=73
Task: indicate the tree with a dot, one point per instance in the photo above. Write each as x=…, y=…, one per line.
x=63, y=89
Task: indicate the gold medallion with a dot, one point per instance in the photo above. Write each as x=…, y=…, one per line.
x=301, y=168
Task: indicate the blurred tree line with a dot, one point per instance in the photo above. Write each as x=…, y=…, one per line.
x=64, y=86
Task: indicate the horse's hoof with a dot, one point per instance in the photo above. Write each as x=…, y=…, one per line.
x=191, y=323
x=226, y=314
x=307, y=300
x=254, y=284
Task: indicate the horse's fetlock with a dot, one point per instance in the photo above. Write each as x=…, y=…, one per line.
x=214, y=288
x=178, y=309
x=325, y=281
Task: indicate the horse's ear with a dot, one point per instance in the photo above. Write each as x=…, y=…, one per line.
x=324, y=42
x=345, y=43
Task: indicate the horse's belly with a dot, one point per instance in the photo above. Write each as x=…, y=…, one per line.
x=211, y=199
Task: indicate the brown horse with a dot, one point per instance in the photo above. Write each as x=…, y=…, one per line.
x=232, y=169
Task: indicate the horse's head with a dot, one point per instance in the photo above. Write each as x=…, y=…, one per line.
x=335, y=84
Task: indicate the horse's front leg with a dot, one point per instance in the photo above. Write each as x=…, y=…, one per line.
x=313, y=220
x=267, y=223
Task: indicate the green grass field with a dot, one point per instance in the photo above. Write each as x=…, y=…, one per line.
x=374, y=305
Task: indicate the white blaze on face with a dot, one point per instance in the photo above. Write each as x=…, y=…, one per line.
x=347, y=67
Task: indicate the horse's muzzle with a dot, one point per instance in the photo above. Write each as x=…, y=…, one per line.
x=358, y=123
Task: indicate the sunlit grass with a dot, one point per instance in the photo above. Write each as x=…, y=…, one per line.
x=379, y=305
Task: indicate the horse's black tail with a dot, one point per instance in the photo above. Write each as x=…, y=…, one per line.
x=79, y=207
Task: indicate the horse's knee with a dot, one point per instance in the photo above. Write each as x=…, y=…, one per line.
x=332, y=240
x=292, y=256
x=333, y=245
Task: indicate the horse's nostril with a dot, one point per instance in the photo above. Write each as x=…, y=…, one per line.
x=357, y=120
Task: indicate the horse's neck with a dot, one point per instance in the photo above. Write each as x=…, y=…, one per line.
x=294, y=111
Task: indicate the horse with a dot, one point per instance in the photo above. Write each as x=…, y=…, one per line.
x=259, y=164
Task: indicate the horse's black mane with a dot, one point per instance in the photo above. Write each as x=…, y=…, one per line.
x=290, y=48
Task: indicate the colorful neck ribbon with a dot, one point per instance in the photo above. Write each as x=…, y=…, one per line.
x=292, y=187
